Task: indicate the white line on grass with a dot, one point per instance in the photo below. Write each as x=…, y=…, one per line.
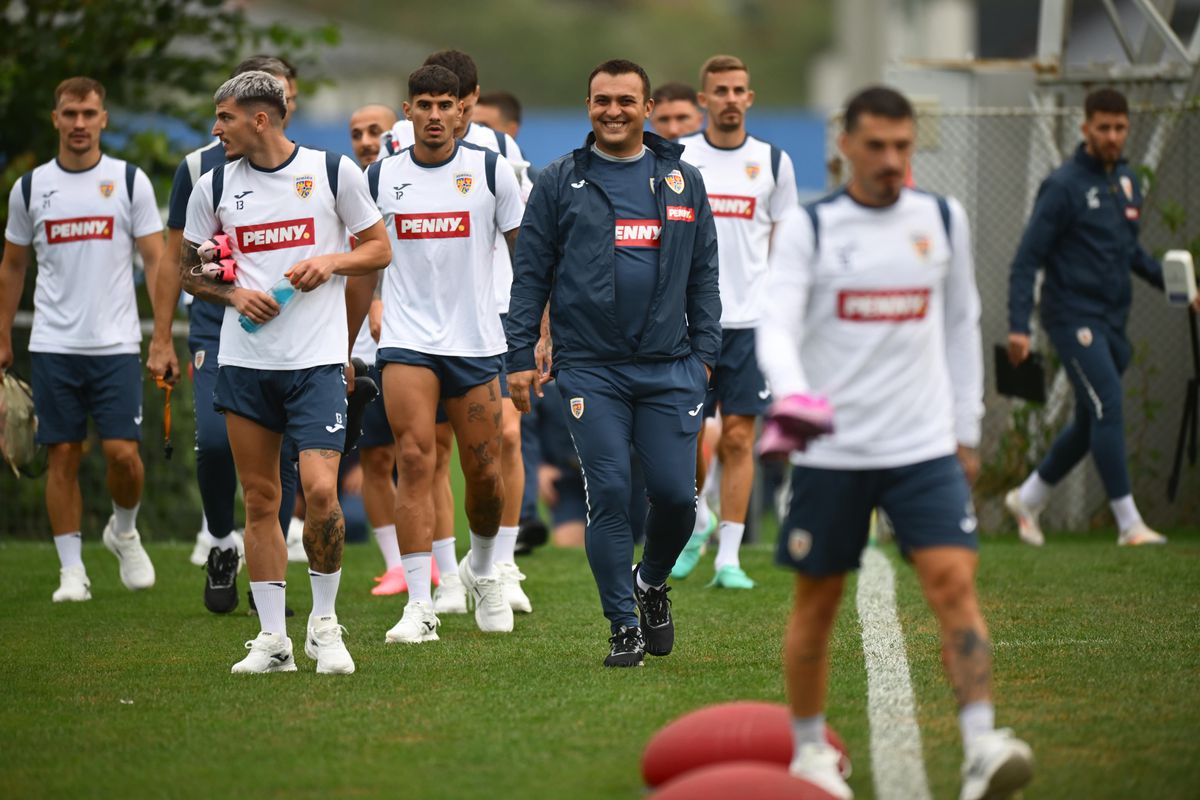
x=896, y=761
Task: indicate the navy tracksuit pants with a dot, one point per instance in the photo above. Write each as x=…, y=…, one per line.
x=1094, y=357
x=658, y=408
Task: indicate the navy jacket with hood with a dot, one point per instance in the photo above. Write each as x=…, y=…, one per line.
x=566, y=252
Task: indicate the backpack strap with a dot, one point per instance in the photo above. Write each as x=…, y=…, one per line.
x=332, y=162
x=776, y=157
x=490, y=159
x=811, y=210
x=131, y=171
x=218, y=185
x=373, y=179
x=944, y=210
x=195, y=165
x=27, y=188
x=501, y=143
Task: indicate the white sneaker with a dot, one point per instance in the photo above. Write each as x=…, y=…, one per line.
x=493, y=614
x=137, y=572
x=73, y=586
x=199, y=556
x=1140, y=534
x=510, y=579
x=1027, y=519
x=820, y=764
x=997, y=765
x=450, y=597
x=324, y=645
x=418, y=624
x=270, y=652
x=295, y=542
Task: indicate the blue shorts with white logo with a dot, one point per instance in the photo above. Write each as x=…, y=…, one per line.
x=737, y=383
x=376, y=432
x=928, y=503
x=308, y=405
x=456, y=374
x=67, y=388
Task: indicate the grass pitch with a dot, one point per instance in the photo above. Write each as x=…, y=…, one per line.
x=130, y=695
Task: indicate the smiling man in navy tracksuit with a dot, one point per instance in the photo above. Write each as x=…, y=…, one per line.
x=1084, y=232
x=619, y=237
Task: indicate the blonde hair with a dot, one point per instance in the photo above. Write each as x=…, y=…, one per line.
x=721, y=63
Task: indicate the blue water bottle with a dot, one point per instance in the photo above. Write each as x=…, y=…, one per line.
x=283, y=292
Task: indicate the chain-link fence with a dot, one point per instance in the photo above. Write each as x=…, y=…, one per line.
x=993, y=160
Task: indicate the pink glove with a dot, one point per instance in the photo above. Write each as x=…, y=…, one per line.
x=792, y=423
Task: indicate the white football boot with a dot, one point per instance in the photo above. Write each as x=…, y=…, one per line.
x=1027, y=519
x=137, y=571
x=73, y=586
x=1140, y=534
x=493, y=614
x=510, y=579
x=199, y=556
x=325, y=646
x=997, y=765
x=269, y=652
x=450, y=597
x=820, y=764
x=418, y=624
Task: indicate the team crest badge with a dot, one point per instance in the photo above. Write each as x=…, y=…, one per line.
x=106, y=188
x=799, y=544
x=304, y=186
x=1084, y=335
x=675, y=181
x=463, y=181
x=198, y=359
x=1127, y=187
x=576, y=407
x=752, y=169
x=921, y=245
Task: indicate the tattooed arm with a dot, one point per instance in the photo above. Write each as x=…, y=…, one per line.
x=257, y=306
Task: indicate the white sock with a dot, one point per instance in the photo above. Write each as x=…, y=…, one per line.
x=645, y=587
x=324, y=592
x=269, y=599
x=730, y=539
x=125, y=519
x=418, y=571
x=703, y=516
x=1125, y=511
x=975, y=719
x=1035, y=492
x=223, y=543
x=205, y=534
x=483, y=549
x=447, y=559
x=807, y=730
x=389, y=545
x=70, y=549
x=506, y=545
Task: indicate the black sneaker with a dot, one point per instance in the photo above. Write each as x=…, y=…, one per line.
x=287, y=610
x=654, y=608
x=220, y=585
x=532, y=533
x=628, y=648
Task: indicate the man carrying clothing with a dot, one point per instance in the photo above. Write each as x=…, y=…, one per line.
x=619, y=237
x=1084, y=232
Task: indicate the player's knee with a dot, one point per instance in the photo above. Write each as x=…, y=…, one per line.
x=377, y=461
x=123, y=457
x=62, y=460
x=321, y=498
x=510, y=438
x=951, y=590
x=262, y=499
x=678, y=497
x=736, y=443
x=609, y=496
x=415, y=460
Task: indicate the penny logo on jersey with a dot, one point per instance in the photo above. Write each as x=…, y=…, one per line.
x=638, y=233
x=304, y=186
x=62, y=231
x=732, y=205
x=883, y=305
x=446, y=225
x=277, y=235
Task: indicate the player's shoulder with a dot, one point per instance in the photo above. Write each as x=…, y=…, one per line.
x=695, y=140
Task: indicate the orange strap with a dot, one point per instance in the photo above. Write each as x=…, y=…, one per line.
x=166, y=387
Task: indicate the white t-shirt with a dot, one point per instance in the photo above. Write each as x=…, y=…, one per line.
x=275, y=219
x=882, y=317
x=443, y=219
x=482, y=136
x=82, y=226
x=750, y=188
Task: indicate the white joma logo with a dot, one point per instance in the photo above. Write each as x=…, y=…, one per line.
x=579, y=185
x=335, y=428
x=699, y=407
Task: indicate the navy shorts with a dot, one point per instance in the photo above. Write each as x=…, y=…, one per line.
x=737, y=383
x=456, y=374
x=928, y=503
x=308, y=405
x=572, y=499
x=376, y=432
x=67, y=388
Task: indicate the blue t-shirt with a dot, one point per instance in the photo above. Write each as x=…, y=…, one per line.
x=636, y=238
x=204, y=317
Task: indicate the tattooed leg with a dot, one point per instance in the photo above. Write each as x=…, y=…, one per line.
x=324, y=527
x=475, y=418
x=947, y=576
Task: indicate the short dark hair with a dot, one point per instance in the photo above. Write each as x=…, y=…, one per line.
x=461, y=64
x=79, y=87
x=1106, y=101
x=264, y=63
x=621, y=66
x=434, y=80
x=675, y=90
x=504, y=102
x=878, y=101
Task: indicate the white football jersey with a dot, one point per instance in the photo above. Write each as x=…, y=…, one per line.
x=750, y=188
x=82, y=227
x=485, y=137
x=364, y=346
x=443, y=219
x=879, y=312
x=275, y=219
